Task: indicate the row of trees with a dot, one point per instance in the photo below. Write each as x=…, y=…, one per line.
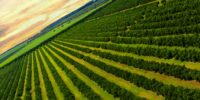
x=47, y=82
x=169, y=69
x=175, y=6
x=185, y=40
x=134, y=33
x=143, y=23
x=12, y=81
x=171, y=16
x=116, y=6
x=17, y=89
x=4, y=83
x=6, y=75
x=170, y=92
x=162, y=31
x=184, y=21
x=76, y=81
x=64, y=89
x=117, y=22
x=113, y=28
x=38, y=92
x=28, y=79
x=110, y=87
x=183, y=54
x=141, y=81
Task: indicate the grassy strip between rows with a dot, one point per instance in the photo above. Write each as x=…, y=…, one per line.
x=189, y=65
x=119, y=81
x=27, y=83
x=58, y=93
x=138, y=45
x=49, y=35
x=42, y=83
x=170, y=80
x=26, y=77
x=104, y=95
x=33, y=94
x=93, y=37
x=182, y=40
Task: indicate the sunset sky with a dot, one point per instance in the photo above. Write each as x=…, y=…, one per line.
x=22, y=19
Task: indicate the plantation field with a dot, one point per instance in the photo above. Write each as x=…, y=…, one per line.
x=126, y=50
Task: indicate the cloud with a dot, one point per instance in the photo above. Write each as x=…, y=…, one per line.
x=2, y=30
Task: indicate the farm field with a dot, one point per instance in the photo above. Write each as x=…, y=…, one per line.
x=126, y=50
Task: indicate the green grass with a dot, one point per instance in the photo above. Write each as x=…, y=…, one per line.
x=33, y=94
x=26, y=77
x=11, y=51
